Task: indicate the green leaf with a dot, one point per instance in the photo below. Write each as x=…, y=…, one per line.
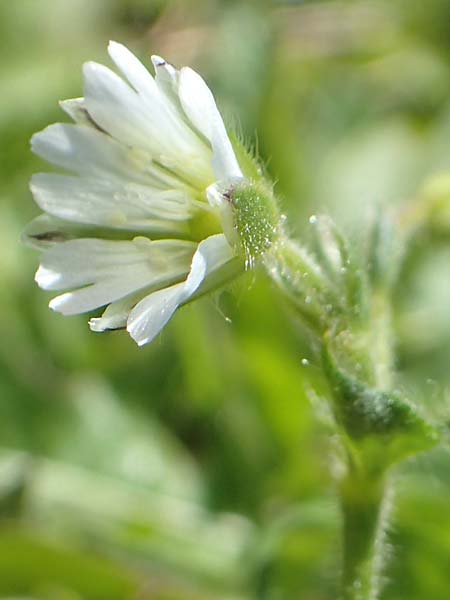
x=383, y=427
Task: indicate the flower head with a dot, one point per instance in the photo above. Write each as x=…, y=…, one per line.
x=136, y=222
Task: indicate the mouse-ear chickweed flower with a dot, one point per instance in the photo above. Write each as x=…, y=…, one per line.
x=145, y=217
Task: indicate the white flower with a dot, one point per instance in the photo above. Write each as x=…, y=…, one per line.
x=133, y=225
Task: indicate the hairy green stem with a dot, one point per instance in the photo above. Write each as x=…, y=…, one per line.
x=365, y=508
x=350, y=315
x=365, y=490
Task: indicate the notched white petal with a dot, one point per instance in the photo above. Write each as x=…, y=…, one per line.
x=91, y=297
x=166, y=77
x=44, y=231
x=115, y=316
x=76, y=109
x=84, y=150
x=200, y=107
x=105, y=271
x=208, y=269
x=212, y=265
x=112, y=204
x=134, y=71
x=152, y=313
x=158, y=61
x=116, y=107
x=210, y=254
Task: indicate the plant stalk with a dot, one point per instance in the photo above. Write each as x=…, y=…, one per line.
x=365, y=507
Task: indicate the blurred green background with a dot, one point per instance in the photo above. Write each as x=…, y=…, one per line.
x=201, y=467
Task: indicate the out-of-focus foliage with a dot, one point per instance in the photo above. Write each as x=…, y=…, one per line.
x=199, y=467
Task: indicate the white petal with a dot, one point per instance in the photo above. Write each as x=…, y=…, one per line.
x=159, y=96
x=88, y=151
x=213, y=264
x=93, y=296
x=84, y=261
x=143, y=121
x=200, y=106
x=115, y=316
x=167, y=78
x=152, y=313
x=45, y=231
x=117, y=108
x=85, y=150
x=133, y=70
x=211, y=254
x=76, y=109
x=110, y=270
x=115, y=204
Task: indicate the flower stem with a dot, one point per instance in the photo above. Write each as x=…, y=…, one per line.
x=364, y=490
x=346, y=302
x=365, y=507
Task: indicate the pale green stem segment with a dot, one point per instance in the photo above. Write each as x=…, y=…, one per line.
x=364, y=489
x=365, y=509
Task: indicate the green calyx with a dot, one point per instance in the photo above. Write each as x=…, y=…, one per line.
x=256, y=217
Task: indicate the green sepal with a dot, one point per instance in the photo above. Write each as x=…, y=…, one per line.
x=247, y=158
x=382, y=427
x=257, y=219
